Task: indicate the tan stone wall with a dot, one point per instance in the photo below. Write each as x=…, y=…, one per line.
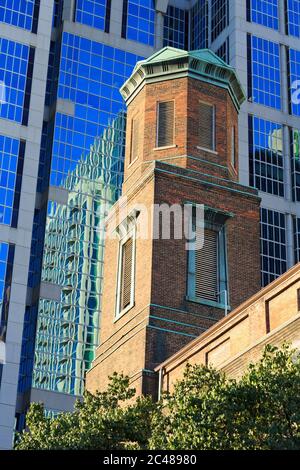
x=240, y=338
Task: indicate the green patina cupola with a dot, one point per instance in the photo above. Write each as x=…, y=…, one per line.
x=171, y=63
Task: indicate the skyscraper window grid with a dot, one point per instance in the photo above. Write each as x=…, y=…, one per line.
x=266, y=156
x=293, y=17
x=199, y=25
x=294, y=80
x=264, y=81
x=175, y=31
x=92, y=13
x=219, y=17
x=17, y=13
x=273, y=245
x=9, y=151
x=295, y=163
x=13, y=73
x=264, y=12
x=139, y=21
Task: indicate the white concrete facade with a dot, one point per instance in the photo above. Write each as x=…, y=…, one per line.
x=21, y=236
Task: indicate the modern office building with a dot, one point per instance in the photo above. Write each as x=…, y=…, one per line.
x=61, y=66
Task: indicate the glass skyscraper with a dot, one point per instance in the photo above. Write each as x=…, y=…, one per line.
x=62, y=128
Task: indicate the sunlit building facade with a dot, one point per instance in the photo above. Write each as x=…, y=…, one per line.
x=62, y=128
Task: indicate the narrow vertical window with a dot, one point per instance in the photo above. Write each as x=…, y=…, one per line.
x=207, y=267
x=134, y=152
x=233, y=150
x=165, y=123
x=206, y=126
x=125, y=286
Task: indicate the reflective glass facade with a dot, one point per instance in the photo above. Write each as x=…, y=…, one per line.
x=264, y=85
x=294, y=77
x=17, y=13
x=67, y=329
x=264, y=12
x=90, y=76
x=139, y=21
x=266, y=160
x=273, y=245
x=293, y=17
x=87, y=163
x=14, y=59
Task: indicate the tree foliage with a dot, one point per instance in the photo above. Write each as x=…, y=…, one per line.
x=206, y=411
x=105, y=421
x=209, y=412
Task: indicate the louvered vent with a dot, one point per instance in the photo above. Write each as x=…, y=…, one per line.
x=206, y=126
x=134, y=140
x=126, y=280
x=207, y=267
x=165, y=127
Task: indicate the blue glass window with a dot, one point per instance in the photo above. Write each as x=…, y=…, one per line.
x=295, y=166
x=264, y=12
x=273, y=245
x=199, y=25
x=294, y=79
x=297, y=239
x=95, y=13
x=266, y=156
x=139, y=21
x=219, y=17
x=91, y=74
x=11, y=169
x=223, y=51
x=6, y=267
x=175, y=28
x=17, y=12
x=14, y=59
x=264, y=85
x=293, y=17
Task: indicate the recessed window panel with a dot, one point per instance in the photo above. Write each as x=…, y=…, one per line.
x=11, y=169
x=295, y=163
x=266, y=162
x=264, y=85
x=7, y=252
x=199, y=25
x=176, y=28
x=14, y=59
x=293, y=17
x=17, y=13
x=294, y=79
x=139, y=21
x=264, y=12
x=273, y=245
x=93, y=13
x=219, y=17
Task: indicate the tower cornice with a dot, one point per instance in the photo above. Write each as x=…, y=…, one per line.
x=170, y=63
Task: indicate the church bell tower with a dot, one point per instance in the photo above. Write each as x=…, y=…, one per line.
x=160, y=290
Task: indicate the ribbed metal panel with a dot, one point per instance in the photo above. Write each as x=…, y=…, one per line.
x=206, y=126
x=165, y=127
x=207, y=267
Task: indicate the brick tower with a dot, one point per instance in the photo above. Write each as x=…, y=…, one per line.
x=181, y=149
